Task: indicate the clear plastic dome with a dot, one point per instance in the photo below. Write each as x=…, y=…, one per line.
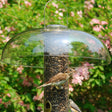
x=30, y=47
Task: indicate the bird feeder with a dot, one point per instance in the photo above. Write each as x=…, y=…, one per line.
x=55, y=48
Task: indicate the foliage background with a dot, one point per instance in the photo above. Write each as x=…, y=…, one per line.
x=18, y=91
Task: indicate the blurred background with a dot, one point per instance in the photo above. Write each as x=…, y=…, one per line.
x=18, y=91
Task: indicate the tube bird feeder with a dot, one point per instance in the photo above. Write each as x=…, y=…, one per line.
x=55, y=48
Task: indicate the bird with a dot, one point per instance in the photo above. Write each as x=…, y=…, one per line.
x=57, y=79
x=73, y=106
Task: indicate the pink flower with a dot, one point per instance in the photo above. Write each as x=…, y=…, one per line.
x=101, y=27
x=26, y=83
x=77, y=79
x=86, y=64
x=1, y=31
x=92, y=1
x=14, y=46
x=98, y=28
x=61, y=14
x=39, y=108
x=88, y=5
x=72, y=13
x=30, y=79
x=99, y=110
x=59, y=18
x=9, y=29
x=42, y=23
x=27, y=4
x=12, y=28
x=103, y=23
x=27, y=106
x=100, y=35
x=20, y=69
x=94, y=21
x=2, y=36
x=71, y=88
x=0, y=100
x=62, y=10
x=92, y=42
x=8, y=95
x=81, y=25
x=87, y=2
x=107, y=43
x=4, y=1
x=81, y=73
x=35, y=98
x=7, y=39
x=38, y=76
x=21, y=103
x=38, y=97
x=100, y=6
x=79, y=13
x=56, y=12
x=111, y=34
x=85, y=73
x=55, y=5
x=1, y=5
x=110, y=50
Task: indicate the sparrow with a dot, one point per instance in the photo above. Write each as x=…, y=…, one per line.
x=73, y=106
x=57, y=79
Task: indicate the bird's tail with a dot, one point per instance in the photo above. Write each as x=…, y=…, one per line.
x=53, y=84
x=44, y=85
x=74, y=107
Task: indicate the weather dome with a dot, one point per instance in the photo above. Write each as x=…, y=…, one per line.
x=29, y=48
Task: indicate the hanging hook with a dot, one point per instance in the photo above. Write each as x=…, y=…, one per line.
x=63, y=5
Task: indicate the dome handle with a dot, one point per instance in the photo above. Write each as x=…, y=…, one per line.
x=63, y=5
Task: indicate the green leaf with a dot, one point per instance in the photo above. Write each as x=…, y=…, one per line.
x=39, y=71
x=91, y=80
x=102, y=76
x=101, y=68
x=28, y=97
x=6, y=78
x=32, y=107
x=98, y=82
x=93, y=84
x=3, y=82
